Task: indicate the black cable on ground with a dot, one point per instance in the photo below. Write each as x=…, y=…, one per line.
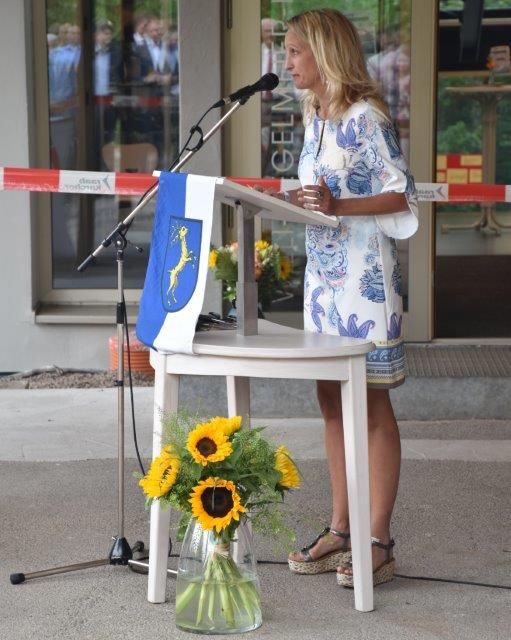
x=427, y=578
x=452, y=581
x=400, y=575
x=131, y=387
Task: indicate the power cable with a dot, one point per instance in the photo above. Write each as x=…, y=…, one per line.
x=400, y=575
x=132, y=400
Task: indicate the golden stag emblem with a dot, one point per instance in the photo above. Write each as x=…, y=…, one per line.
x=185, y=257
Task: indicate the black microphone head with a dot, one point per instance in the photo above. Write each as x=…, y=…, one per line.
x=268, y=82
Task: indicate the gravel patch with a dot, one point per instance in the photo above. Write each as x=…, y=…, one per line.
x=55, y=378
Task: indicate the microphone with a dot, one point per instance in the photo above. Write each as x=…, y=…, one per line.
x=268, y=82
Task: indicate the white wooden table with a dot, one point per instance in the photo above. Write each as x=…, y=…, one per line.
x=275, y=352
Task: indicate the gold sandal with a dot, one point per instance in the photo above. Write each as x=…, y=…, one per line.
x=328, y=562
x=383, y=573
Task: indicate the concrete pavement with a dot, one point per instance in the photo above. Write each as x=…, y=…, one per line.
x=58, y=505
x=81, y=424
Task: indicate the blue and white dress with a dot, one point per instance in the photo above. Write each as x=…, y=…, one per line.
x=352, y=277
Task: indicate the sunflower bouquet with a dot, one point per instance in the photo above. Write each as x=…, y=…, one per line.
x=272, y=268
x=219, y=477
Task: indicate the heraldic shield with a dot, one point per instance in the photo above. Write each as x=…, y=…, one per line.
x=181, y=266
x=177, y=271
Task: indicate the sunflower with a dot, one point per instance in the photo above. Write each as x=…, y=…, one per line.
x=227, y=425
x=162, y=474
x=261, y=245
x=216, y=503
x=285, y=268
x=208, y=443
x=290, y=478
x=213, y=257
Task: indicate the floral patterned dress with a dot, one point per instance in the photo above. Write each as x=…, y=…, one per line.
x=352, y=277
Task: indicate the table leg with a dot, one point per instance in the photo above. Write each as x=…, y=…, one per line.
x=238, y=398
x=166, y=396
x=354, y=410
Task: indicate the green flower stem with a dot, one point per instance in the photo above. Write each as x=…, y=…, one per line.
x=204, y=592
x=238, y=604
x=243, y=594
x=222, y=583
x=225, y=599
x=185, y=598
x=247, y=601
x=211, y=601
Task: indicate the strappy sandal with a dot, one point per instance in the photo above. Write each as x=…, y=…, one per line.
x=328, y=562
x=383, y=573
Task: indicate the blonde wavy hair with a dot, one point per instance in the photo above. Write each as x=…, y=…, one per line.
x=338, y=52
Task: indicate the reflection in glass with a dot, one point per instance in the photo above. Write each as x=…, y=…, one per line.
x=384, y=28
x=472, y=299
x=472, y=294
x=129, y=63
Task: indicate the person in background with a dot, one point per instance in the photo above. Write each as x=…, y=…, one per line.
x=62, y=30
x=139, y=29
x=351, y=167
x=171, y=39
x=156, y=79
x=62, y=85
x=390, y=70
x=108, y=74
x=52, y=41
x=63, y=105
x=74, y=46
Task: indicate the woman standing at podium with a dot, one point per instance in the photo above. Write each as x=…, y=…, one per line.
x=351, y=166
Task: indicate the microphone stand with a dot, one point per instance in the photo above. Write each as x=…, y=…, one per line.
x=121, y=553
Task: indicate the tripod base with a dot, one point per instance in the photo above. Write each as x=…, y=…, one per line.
x=121, y=553
x=18, y=578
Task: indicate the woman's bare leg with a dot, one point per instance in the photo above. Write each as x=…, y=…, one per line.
x=329, y=398
x=384, y=467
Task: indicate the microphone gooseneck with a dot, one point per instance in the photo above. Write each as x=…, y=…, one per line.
x=268, y=82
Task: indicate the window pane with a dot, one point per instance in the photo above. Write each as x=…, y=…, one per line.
x=384, y=28
x=114, y=106
x=472, y=298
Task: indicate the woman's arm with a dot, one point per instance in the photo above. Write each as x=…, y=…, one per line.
x=319, y=198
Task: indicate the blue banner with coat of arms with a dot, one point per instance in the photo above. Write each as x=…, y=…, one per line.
x=175, y=280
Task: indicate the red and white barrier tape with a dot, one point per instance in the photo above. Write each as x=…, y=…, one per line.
x=109, y=183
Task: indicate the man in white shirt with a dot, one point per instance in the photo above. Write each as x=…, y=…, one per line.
x=139, y=29
x=108, y=74
x=156, y=79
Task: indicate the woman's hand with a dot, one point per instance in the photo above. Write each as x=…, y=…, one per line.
x=317, y=197
x=270, y=191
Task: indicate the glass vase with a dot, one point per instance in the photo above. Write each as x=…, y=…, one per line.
x=217, y=588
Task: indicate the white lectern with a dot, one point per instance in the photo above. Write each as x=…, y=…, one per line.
x=261, y=349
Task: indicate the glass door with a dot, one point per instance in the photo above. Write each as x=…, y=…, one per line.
x=473, y=240
x=113, y=106
x=385, y=27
